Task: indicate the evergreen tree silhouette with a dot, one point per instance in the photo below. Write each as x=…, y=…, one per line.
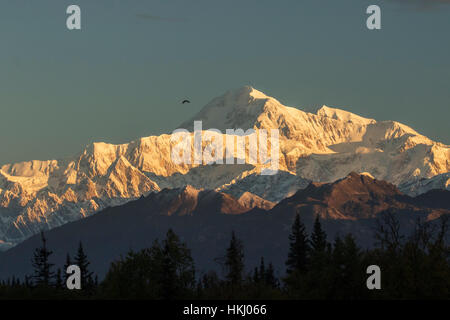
x=82, y=262
x=255, y=276
x=169, y=272
x=318, y=237
x=348, y=270
x=319, y=277
x=298, y=248
x=234, y=261
x=66, y=265
x=163, y=271
x=43, y=274
x=178, y=271
x=27, y=282
x=262, y=270
x=270, y=278
x=59, y=280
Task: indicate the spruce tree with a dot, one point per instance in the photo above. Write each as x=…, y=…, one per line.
x=43, y=274
x=178, y=270
x=353, y=274
x=234, y=261
x=82, y=262
x=59, y=280
x=169, y=273
x=318, y=237
x=319, y=277
x=255, y=276
x=270, y=278
x=262, y=270
x=298, y=248
x=66, y=265
x=27, y=282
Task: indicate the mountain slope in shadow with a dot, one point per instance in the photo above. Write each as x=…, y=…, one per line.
x=205, y=219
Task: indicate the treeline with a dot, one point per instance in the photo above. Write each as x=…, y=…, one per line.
x=413, y=267
x=46, y=283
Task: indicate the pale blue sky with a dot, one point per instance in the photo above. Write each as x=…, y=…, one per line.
x=122, y=76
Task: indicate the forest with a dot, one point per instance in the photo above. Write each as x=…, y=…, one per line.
x=413, y=266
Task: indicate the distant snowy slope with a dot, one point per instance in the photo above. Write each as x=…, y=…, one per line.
x=417, y=186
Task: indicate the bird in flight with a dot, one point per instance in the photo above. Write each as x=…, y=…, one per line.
x=185, y=101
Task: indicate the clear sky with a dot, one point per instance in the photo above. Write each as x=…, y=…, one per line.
x=122, y=76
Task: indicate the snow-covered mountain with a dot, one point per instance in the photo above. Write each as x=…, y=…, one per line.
x=330, y=143
x=272, y=187
x=320, y=146
x=418, y=186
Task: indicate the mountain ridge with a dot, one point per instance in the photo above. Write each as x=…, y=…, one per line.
x=205, y=219
x=359, y=196
x=320, y=147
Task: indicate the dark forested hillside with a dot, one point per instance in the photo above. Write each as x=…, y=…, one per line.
x=205, y=221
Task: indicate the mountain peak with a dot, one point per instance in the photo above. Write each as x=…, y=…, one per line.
x=247, y=91
x=353, y=197
x=190, y=190
x=237, y=108
x=342, y=115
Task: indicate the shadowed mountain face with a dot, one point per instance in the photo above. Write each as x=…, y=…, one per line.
x=205, y=219
x=191, y=201
x=434, y=199
x=362, y=197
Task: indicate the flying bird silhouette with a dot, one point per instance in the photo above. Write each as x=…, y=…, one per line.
x=185, y=101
